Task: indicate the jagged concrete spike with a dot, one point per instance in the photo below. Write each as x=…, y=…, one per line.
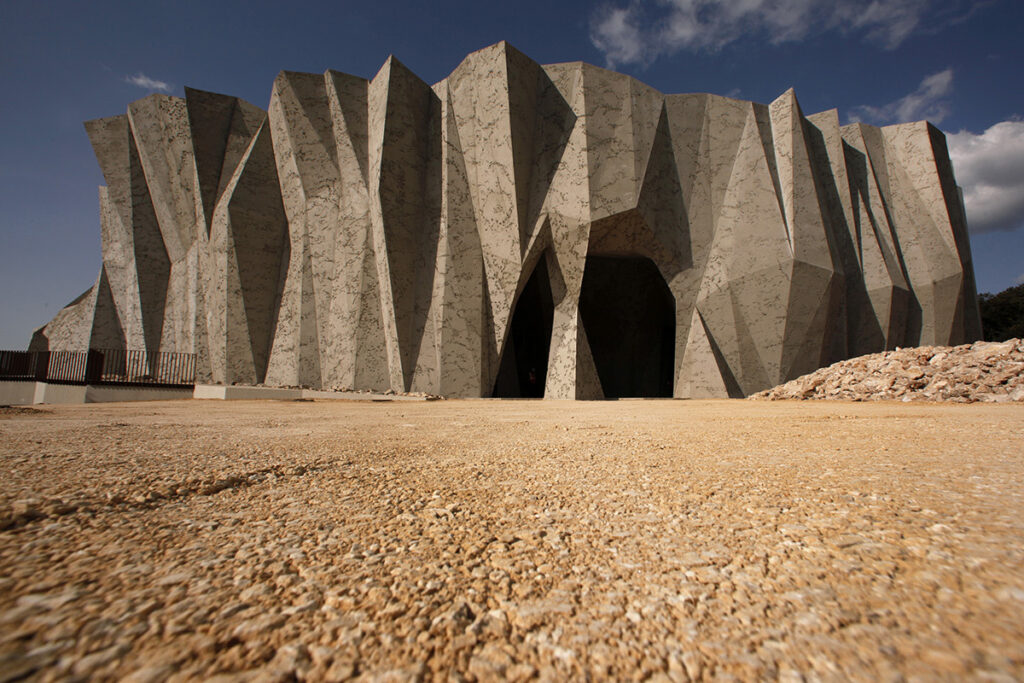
x=686, y=119
x=969, y=320
x=522, y=84
x=306, y=155
x=700, y=365
x=209, y=120
x=246, y=121
x=611, y=159
x=71, y=328
x=482, y=105
x=407, y=184
x=649, y=124
x=107, y=331
x=928, y=248
x=460, y=282
x=111, y=139
x=153, y=267
x=259, y=230
x=160, y=128
x=380, y=234
x=358, y=361
x=348, y=114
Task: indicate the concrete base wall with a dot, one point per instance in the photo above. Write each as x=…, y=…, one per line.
x=17, y=393
x=228, y=393
x=239, y=392
x=107, y=393
x=59, y=393
x=29, y=393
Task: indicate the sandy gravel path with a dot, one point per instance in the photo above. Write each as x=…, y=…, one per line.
x=462, y=540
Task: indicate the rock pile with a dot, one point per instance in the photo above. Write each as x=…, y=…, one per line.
x=982, y=371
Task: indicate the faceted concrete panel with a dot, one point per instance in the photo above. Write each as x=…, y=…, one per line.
x=379, y=234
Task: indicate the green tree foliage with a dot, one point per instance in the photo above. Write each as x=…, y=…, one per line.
x=1002, y=314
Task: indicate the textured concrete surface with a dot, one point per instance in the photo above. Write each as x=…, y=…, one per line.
x=379, y=235
x=480, y=540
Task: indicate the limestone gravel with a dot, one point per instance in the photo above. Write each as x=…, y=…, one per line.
x=494, y=540
x=992, y=372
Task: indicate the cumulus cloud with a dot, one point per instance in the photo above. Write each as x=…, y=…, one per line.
x=990, y=169
x=640, y=32
x=929, y=101
x=143, y=81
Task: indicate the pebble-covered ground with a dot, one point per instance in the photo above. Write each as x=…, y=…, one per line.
x=487, y=540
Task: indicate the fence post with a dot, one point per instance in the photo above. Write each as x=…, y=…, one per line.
x=42, y=368
x=93, y=367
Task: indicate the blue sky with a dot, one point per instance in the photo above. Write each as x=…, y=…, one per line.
x=957, y=64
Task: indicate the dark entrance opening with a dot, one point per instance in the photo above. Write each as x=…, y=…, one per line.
x=524, y=362
x=629, y=315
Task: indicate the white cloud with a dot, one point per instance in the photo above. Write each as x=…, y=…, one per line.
x=640, y=32
x=618, y=36
x=143, y=81
x=930, y=101
x=1019, y=280
x=990, y=169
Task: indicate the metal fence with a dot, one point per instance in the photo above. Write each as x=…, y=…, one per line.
x=99, y=366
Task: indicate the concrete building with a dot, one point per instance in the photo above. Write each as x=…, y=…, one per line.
x=517, y=230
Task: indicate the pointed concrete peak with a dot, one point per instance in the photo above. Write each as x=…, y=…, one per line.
x=152, y=98
x=512, y=54
x=289, y=77
x=575, y=68
x=862, y=127
x=725, y=97
x=910, y=125
x=104, y=122
x=109, y=138
x=936, y=135
x=334, y=74
x=196, y=92
x=384, y=72
x=280, y=81
x=500, y=46
x=827, y=114
x=393, y=66
x=238, y=100
x=295, y=75
x=393, y=63
x=788, y=98
x=601, y=72
x=510, y=50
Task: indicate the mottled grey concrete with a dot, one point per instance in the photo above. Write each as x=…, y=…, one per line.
x=377, y=234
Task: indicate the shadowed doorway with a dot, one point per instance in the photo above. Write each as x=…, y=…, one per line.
x=524, y=362
x=629, y=315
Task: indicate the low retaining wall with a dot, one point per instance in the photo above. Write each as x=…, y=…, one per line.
x=239, y=392
x=17, y=393
x=59, y=393
x=29, y=393
x=226, y=393
x=106, y=393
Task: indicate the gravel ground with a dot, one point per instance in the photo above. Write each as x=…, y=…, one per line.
x=462, y=540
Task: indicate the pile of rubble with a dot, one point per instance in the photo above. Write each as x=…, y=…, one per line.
x=983, y=371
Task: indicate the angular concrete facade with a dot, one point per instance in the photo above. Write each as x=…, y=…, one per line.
x=517, y=230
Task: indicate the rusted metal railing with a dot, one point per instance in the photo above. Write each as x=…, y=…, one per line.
x=99, y=366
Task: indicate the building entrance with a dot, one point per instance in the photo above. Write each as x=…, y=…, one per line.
x=629, y=315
